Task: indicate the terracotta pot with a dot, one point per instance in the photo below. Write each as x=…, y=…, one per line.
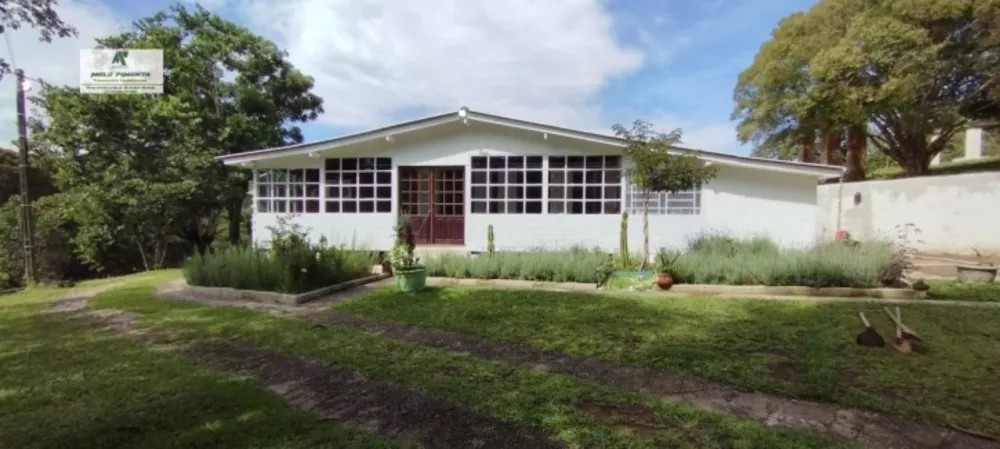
x=664, y=281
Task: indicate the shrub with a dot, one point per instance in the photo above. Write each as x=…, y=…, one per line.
x=724, y=245
x=55, y=258
x=576, y=264
x=292, y=265
x=709, y=259
x=716, y=259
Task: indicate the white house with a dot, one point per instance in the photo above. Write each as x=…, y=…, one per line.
x=455, y=174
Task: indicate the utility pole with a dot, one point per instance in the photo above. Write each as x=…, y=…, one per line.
x=27, y=231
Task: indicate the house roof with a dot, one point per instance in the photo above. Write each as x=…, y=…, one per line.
x=467, y=115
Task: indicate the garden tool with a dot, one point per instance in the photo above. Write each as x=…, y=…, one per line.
x=869, y=337
x=906, y=331
x=900, y=343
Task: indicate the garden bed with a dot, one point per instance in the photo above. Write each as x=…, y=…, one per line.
x=708, y=259
x=275, y=297
x=693, y=289
x=292, y=269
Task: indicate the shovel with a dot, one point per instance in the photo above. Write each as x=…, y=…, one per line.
x=869, y=337
x=901, y=343
x=906, y=331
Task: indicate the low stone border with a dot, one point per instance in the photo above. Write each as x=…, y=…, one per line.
x=275, y=297
x=729, y=291
x=825, y=292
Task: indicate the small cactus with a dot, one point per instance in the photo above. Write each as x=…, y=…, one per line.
x=624, y=256
x=490, y=249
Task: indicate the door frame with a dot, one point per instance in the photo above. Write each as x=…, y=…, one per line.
x=432, y=220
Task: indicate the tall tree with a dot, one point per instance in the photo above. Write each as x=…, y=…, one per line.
x=246, y=93
x=655, y=169
x=124, y=160
x=37, y=14
x=910, y=73
x=226, y=90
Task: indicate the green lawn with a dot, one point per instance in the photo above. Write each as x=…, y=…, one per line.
x=952, y=289
x=65, y=385
x=554, y=404
x=799, y=349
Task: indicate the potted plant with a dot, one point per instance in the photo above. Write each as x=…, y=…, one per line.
x=665, y=263
x=983, y=272
x=410, y=276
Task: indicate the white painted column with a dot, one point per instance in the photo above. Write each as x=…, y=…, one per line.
x=973, y=143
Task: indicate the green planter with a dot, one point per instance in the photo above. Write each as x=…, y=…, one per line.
x=412, y=280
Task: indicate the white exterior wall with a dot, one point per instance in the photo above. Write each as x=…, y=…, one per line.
x=954, y=213
x=740, y=201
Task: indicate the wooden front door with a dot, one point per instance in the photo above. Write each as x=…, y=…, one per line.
x=434, y=199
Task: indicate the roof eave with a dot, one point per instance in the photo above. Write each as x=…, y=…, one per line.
x=817, y=170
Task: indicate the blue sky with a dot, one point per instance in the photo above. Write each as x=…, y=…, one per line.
x=577, y=63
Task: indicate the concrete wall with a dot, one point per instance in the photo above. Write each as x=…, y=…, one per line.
x=954, y=213
x=740, y=200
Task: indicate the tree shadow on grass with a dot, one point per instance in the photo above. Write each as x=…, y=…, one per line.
x=67, y=385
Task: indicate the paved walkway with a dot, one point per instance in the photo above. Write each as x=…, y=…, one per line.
x=870, y=429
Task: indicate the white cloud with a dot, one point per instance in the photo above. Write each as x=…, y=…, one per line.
x=56, y=62
x=543, y=61
x=718, y=137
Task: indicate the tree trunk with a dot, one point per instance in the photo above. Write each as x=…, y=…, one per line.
x=234, y=210
x=856, y=147
x=201, y=245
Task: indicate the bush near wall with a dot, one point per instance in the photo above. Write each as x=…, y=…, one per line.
x=719, y=259
x=575, y=264
x=292, y=265
x=708, y=259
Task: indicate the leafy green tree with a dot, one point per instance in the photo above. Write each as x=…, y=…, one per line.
x=38, y=14
x=39, y=180
x=152, y=158
x=654, y=169
x=246, y=96
x=124, y=162
x=901, y=70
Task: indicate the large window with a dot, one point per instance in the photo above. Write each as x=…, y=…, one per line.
x=585, y=184
x=288, y=191
x=663, y=203
x=507, y=184
x=359, y=185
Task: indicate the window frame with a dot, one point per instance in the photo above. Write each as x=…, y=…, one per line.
x=357, y=185
x=585, y=184
x=507, y=185
x=666, y=203
x=302, y=195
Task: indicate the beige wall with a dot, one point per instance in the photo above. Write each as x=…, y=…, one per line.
x=954, y=213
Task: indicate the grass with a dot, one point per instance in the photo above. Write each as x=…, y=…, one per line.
x=64, y=384
x=949, y=289
x=796, y=349
x=540, y=400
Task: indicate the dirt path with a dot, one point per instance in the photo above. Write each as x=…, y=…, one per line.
x=333, y=392
x=870, y=429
